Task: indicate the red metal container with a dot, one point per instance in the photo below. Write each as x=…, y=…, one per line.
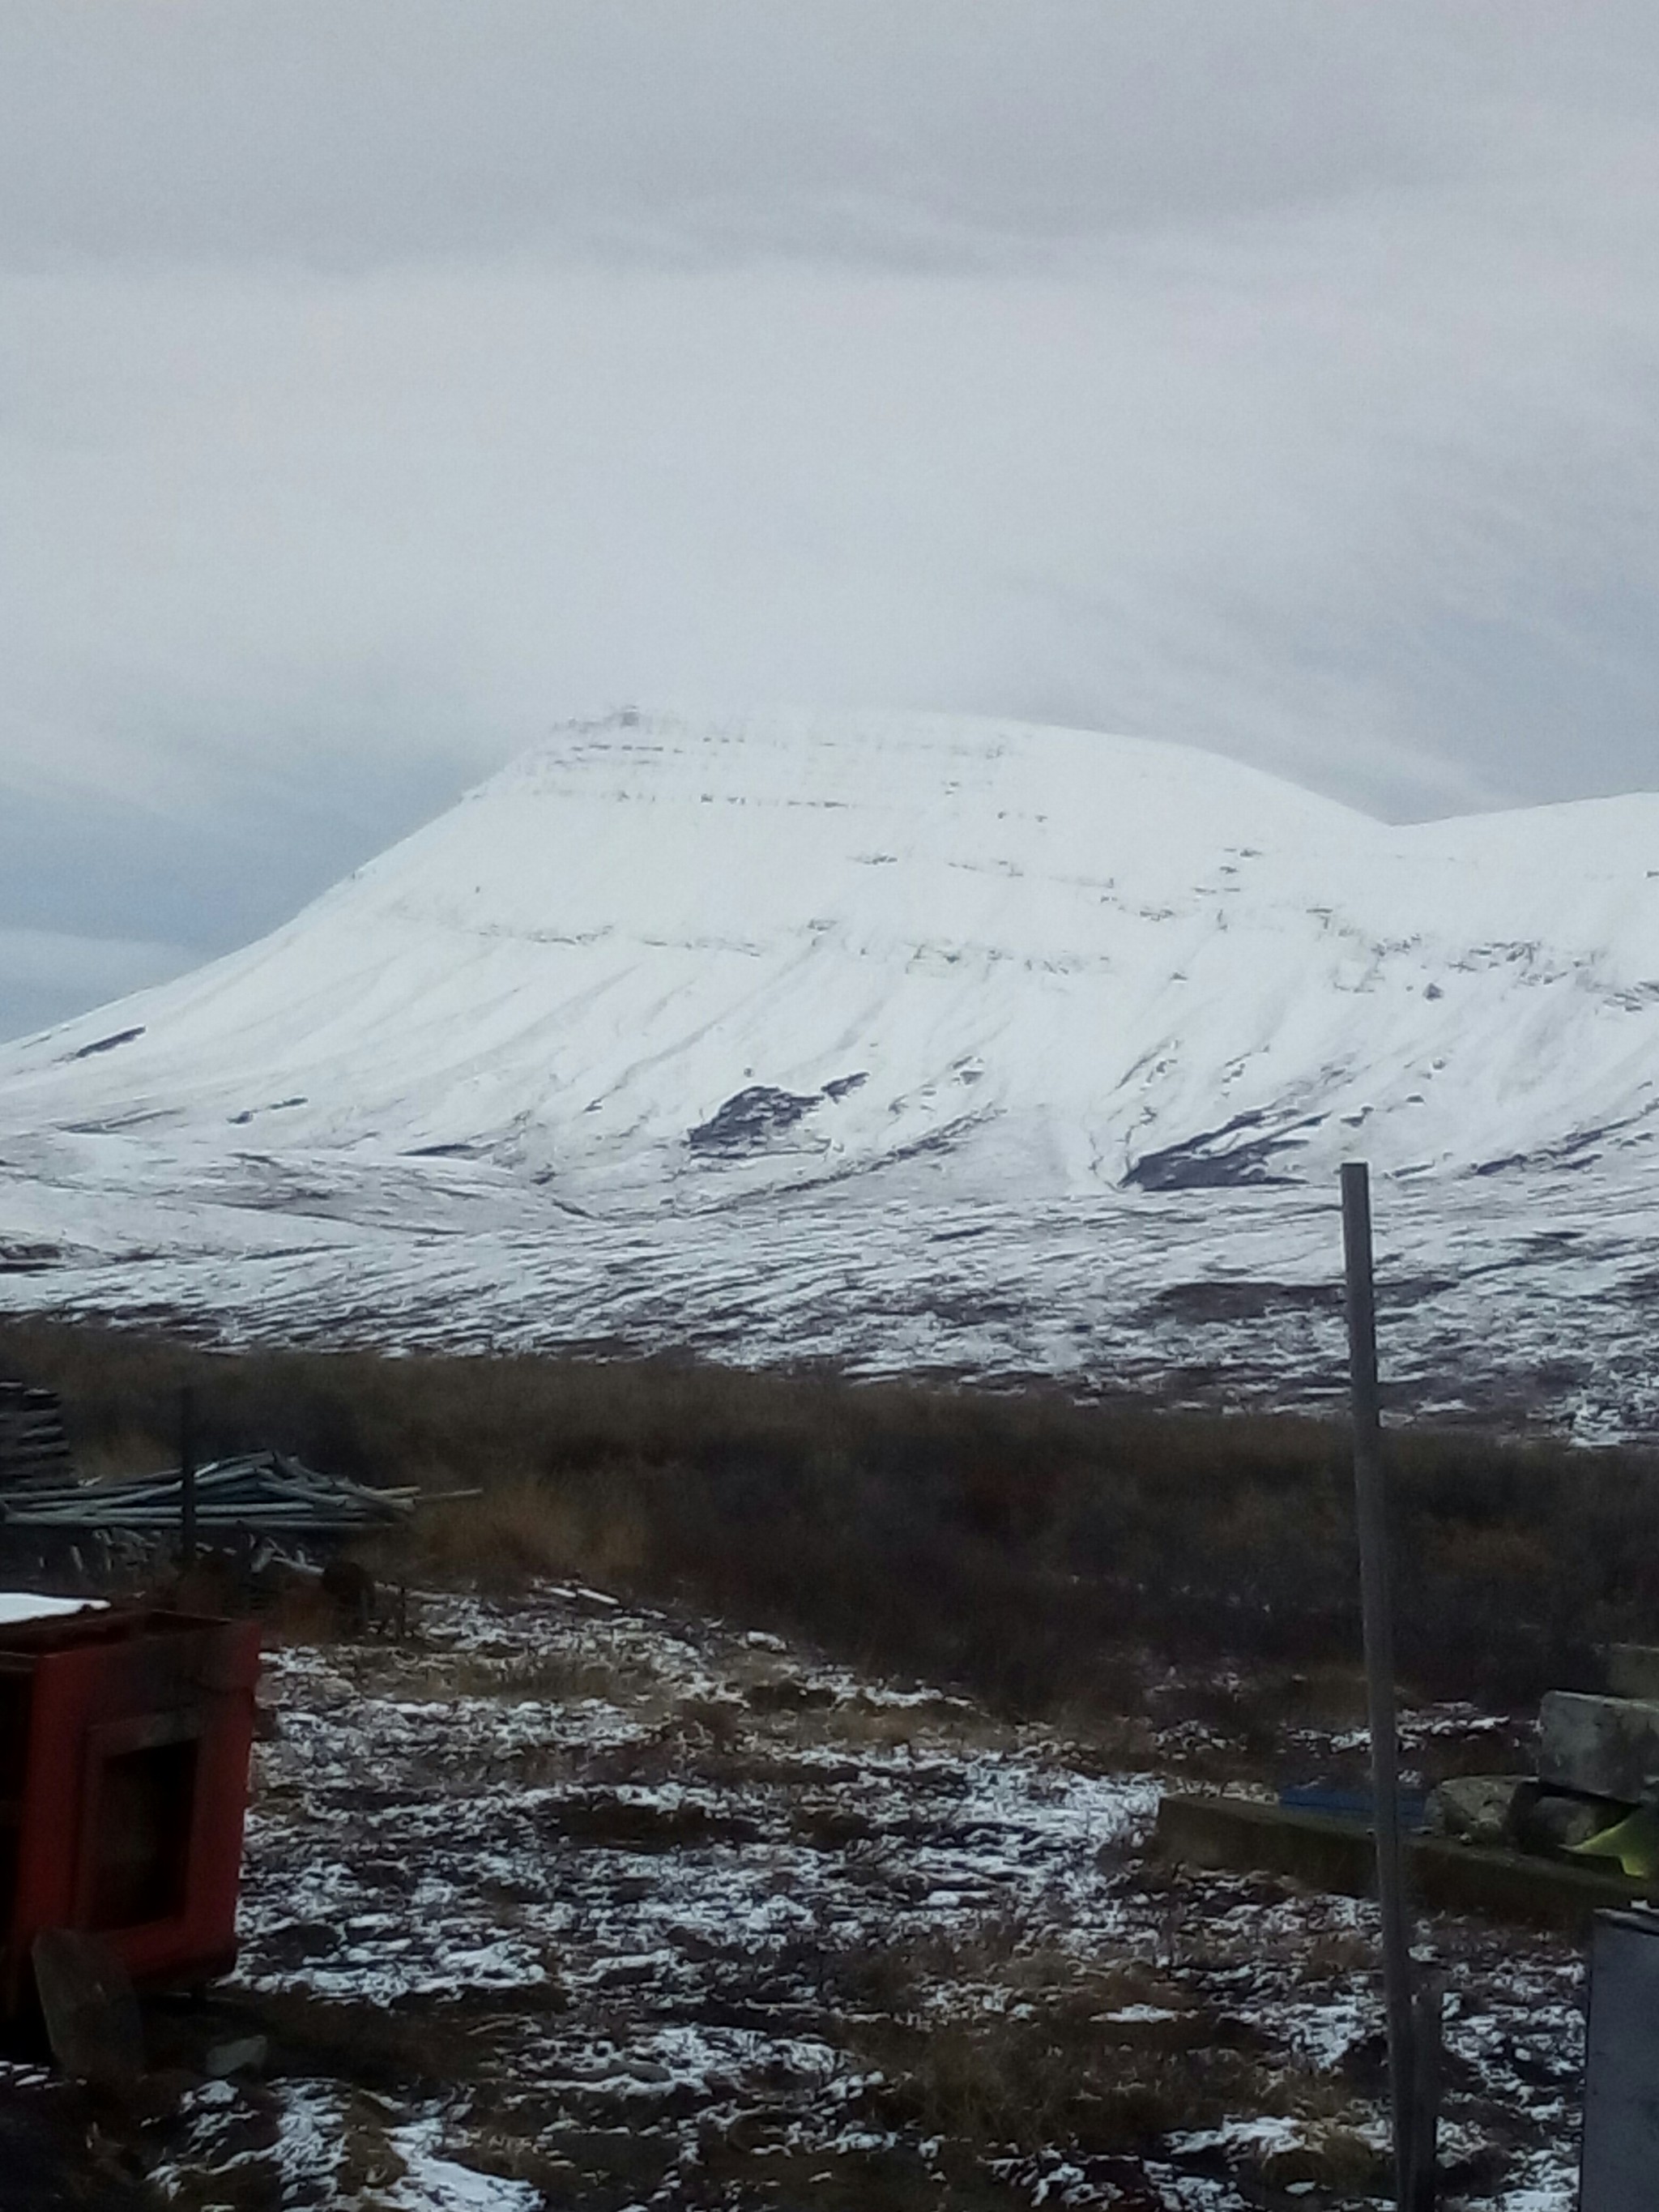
x=125, y=1737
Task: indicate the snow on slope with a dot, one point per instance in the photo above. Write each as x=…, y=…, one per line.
x=658, y=951
x=912, y=964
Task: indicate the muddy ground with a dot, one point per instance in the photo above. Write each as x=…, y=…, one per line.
x=560, y=1901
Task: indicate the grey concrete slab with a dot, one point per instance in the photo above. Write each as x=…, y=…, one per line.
x=1603, y=1746
x=1634, y=1670
x=1241, y=1835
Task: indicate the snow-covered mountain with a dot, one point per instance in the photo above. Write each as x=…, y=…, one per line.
x=783, y=975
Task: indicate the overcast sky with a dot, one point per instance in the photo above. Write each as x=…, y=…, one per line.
x=381, y=380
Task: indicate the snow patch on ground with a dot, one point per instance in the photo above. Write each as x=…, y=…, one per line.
x=682, y=1940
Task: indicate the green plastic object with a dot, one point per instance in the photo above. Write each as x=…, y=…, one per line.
x=1633, y=1841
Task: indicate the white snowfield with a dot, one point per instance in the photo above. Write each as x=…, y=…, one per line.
x=726, y=1032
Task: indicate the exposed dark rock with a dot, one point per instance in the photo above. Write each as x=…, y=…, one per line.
x=1213, y=1161
x=108, y=1043
x=749, y=1118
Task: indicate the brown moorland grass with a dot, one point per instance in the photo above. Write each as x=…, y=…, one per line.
x=1013, y=1541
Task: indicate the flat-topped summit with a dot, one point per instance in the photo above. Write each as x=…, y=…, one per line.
x=691, y=956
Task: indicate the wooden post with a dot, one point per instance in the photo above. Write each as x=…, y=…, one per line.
x=1412, y=2161
x=187, y=1475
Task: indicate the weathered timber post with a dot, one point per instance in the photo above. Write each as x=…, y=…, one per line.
x=1411, y=2096
x=187, y=1474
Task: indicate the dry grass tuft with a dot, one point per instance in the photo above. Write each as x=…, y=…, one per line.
x=1017, y=1542
x=1015, y=2050
x=521, y=1528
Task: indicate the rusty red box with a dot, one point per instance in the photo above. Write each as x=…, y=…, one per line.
x=125, y=1738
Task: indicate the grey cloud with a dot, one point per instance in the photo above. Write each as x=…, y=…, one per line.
x=347, y=134
x=378, y=383
x=98, y=897
x=45, y=976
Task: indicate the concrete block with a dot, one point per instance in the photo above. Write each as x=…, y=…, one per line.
x=1634, y=1670
x=92, y=2017
x=1238, y=1835
x=1550, y=1821
x=1602, y=1746
x=1478, y=1807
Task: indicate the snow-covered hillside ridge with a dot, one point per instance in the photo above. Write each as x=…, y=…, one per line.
x=659, y=958
x=899, y=1042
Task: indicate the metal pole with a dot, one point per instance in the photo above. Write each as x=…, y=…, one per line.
x=1428, y=2031
x=1377, y=1615
x=187, y=1474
